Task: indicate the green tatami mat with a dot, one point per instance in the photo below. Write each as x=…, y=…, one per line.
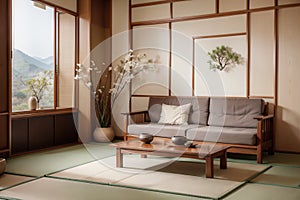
x=277, y=175
x=163, y=174
x=283, y=159
x=8, y=180
x=49, y=188
x=41, y=163
x=264, y=192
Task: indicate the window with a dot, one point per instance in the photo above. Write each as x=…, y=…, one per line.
x=44, y=45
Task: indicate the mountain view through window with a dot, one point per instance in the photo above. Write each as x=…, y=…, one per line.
x=33, y=54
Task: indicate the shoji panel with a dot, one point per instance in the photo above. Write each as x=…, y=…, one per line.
x=232, y=5
x=284, y=2
x=260, y=3
x=181, y=74
x=262, y=54
x=161, y=11
x=155, y=42
x=221, y=25
x=142, y=1
x=228, y=83
x=193, y=7
x=288, y=109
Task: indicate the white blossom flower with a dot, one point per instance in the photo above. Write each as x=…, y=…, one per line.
x=89, y=84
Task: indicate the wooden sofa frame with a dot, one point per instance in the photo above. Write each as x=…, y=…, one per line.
x=265, y=141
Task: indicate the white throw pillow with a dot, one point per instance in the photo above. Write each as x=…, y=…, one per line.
x=174, y=114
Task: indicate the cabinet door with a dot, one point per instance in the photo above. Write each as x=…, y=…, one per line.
x=41, y=132
x=19, y=135
x=65, y=131
x=3, y=132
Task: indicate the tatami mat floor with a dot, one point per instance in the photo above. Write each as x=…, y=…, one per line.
x=30, y=177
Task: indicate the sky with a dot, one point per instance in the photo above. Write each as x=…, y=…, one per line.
x=33, y=29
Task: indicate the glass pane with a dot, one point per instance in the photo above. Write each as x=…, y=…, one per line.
x=33, y=54
x=66, y=59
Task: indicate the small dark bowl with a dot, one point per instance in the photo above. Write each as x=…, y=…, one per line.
x=146, y=138
x=179, y=140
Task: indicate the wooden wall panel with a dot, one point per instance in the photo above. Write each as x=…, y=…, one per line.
x=232, y=5
x=288, y=109
x=154, y=12
x=286, y=2
x=193, y=7
x=260, y=3
x=203, y=27
x=65, y=130
x=141, y=1
x=4, y=132
x=41, y=132
x=67, y=4
x=19, y=135
x=262, y=54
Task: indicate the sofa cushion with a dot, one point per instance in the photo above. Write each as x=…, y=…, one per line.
x=234, y=112
x=160, y=129
x=171, y=114
x=229, y=135
x=198, y=113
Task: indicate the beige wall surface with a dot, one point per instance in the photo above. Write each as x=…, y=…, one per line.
x=120, y=45
x=68, y=4
x=262, y=54
x=193, y=7
x=262, y=57
x=288, y=109
x=66, y=60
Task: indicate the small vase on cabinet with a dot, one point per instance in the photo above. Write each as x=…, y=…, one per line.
x=32, y=103
x=103, y=134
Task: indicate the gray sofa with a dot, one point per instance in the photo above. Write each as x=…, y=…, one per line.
x=237, y=122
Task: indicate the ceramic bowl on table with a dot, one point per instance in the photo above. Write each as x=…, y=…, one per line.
x=146, y=138
x=179, y=140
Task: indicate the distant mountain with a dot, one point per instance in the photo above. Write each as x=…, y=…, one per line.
x=27, y=66
x=49, y=60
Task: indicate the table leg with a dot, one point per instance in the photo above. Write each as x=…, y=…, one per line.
x=209, y=165
x=223, y=161
x=119, y=158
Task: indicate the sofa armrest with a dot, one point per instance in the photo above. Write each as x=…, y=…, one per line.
x=264, y=117
x=265, y=135
x=135, y=116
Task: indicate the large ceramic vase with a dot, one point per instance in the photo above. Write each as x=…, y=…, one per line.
x=32, y=103
x=103, y=134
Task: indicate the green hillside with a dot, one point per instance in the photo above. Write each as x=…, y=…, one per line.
x=27, y=66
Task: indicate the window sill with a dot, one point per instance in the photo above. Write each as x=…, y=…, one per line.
x=42, y=112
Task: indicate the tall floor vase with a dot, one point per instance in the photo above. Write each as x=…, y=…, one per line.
x=103, y=134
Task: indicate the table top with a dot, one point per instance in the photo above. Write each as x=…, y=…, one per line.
x=166, y=146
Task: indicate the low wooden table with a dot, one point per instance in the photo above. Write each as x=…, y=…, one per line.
x=166, y=148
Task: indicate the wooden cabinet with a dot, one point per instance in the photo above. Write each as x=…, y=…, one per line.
x=39, y=132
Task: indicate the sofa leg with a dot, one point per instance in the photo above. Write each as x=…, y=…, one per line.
x=259, y=158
